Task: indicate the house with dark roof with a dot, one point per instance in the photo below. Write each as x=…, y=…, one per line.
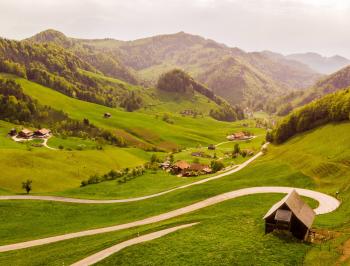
x=291, y=214
x=25, y=133
x=42, y=133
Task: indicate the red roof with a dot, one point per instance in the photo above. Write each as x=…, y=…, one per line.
x=182, y=165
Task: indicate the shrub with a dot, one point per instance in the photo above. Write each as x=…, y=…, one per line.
x=216, y=166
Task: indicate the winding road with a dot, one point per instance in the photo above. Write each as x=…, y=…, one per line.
x=235, y=169
x=326, y=204
x=111, y=250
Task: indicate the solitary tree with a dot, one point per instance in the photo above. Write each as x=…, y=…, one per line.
x=171, y=158
x=27, y=185
x=154, y=158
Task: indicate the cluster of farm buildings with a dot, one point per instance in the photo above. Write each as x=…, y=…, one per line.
x=29, y=134
x=239, y=136
x=183, y=168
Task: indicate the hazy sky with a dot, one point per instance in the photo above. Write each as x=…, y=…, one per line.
x=285, y=26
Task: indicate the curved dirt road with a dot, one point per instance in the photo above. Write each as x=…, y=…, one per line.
x=326, y=204
x=88, y=201
x=111, y=250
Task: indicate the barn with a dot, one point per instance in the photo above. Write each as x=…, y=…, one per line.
x=291, y=214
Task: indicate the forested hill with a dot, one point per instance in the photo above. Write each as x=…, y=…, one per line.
x=105, y=60
x=334, y=107
x=250, y=78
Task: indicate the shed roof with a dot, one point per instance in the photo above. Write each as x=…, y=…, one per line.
x=297, y=206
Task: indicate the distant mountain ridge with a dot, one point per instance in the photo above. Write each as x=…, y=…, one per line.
x=250, y=78
x=321, y=64
x=330, y=84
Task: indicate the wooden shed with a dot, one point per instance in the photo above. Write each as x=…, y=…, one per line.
x=291, y=214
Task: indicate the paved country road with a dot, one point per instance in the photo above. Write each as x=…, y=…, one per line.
x=109, y=251
x=326, y=204
x=88, y=201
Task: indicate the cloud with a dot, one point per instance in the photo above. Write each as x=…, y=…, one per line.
x=281, y=25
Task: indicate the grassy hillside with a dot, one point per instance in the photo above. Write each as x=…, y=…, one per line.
x=139, y=128
x=59, y=170
x=308, y=160
x=334, y=107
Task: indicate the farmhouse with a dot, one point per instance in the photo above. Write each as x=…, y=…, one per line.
x=180, y=167
x=239, y=136
x=196, y=169
x=25, y=133
x=42, y=133
x=291, y=214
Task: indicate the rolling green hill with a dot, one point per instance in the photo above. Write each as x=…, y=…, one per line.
x=333, y=107
x=308, y=160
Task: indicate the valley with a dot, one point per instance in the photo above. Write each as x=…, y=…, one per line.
x=170, y=150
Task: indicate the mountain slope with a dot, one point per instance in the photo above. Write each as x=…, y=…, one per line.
x=150, y=57
x=321, y=64
x=104, y=61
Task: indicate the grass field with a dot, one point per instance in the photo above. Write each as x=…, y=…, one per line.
x=219, y=225
x=147, y=184
x=235, y=226
x=60, y=172
x=139, y=128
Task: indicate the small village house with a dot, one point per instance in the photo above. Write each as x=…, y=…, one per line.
x=42, y=133
x=197, y=169
x=25, y=133
x=180, y=167
x=239, y=136
x=291, y=214
x=107, y=115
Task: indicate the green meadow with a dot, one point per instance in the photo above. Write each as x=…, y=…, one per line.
x=140, y=128
x=236, y=224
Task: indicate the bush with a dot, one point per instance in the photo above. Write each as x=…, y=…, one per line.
x=216, y=166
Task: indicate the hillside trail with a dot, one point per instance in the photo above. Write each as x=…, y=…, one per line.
x=92, y=259
x=326, y=204
x=232, y=170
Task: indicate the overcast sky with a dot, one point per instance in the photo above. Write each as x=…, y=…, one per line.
x=285, y=26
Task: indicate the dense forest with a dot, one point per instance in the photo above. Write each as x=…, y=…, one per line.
x=54, y=67
x=333, y=107
x=18, y=108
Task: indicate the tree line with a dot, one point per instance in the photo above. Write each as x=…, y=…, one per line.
x=54, y=67
x=333, y=107
x=178, y=81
